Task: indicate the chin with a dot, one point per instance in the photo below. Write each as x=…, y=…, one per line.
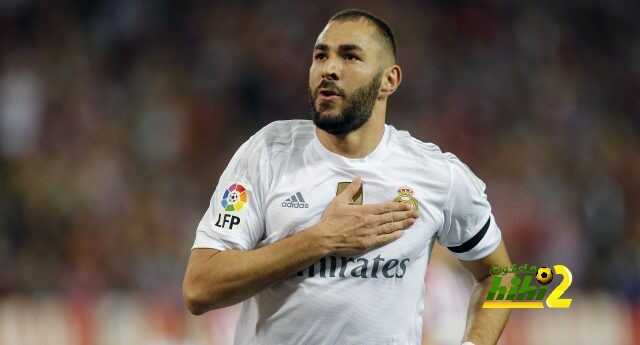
x=328, y=110
x=330, y=113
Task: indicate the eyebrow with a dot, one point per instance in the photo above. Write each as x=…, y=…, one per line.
x=341, y=48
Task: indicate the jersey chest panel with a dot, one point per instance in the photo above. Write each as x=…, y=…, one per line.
x=299, y=198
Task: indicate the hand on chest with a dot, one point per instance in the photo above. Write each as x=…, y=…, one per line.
x=293, y=207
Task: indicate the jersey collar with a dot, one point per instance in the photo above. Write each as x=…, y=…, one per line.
x=375, y=156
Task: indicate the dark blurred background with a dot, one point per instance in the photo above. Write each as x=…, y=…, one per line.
x=117, y=118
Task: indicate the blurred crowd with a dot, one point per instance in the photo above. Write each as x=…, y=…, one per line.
x=117, y=118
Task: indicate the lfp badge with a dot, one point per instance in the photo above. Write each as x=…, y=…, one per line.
x=234, y=198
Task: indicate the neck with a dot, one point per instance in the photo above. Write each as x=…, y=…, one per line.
x=359, y=143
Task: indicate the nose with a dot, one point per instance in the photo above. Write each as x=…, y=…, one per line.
x=331, y=70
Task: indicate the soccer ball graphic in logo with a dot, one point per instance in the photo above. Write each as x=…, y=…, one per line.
x=544, y=275
x=234, y=198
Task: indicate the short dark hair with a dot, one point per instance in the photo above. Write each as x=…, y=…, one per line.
x=383, y=28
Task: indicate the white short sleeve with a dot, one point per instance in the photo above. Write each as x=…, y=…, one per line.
x=470, y=231
x=234, y=218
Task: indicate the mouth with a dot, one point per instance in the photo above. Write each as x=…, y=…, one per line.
x=328, y=94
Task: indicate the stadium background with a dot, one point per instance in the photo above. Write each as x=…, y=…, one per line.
x=117, y=117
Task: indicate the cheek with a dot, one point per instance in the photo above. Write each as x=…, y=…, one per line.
x=313, y=76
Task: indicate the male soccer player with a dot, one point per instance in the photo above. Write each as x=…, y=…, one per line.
x=324, y=228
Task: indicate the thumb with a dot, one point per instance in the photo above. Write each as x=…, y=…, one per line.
x=351, y=190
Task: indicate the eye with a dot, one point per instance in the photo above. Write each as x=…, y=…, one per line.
x=351, y=57
x=320, y=56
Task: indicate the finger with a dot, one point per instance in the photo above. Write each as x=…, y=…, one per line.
x=384, y=239
x=351, y=190
x=386, y=207
x=393, y=217
x=388, y=228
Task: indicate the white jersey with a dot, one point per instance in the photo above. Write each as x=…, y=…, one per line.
x=281, y=180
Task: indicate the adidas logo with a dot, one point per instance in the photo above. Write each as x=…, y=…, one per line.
x=295, y=201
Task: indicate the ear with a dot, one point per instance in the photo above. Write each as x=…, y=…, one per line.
x=391, y=79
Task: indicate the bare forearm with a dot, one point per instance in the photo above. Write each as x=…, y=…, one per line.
x=231, y=276
x=484, y=326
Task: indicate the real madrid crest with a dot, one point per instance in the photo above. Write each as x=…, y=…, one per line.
x=405, y=194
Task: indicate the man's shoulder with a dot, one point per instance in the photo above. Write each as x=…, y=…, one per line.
x=261, y=151
x=419, y=149
x=427, y=155
x=283, y=134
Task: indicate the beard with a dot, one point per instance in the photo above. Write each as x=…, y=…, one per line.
x=356, y=109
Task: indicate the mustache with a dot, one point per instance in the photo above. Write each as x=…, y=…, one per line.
x=330, y=86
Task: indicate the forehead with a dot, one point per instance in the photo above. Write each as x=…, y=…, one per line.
x=358, y=32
